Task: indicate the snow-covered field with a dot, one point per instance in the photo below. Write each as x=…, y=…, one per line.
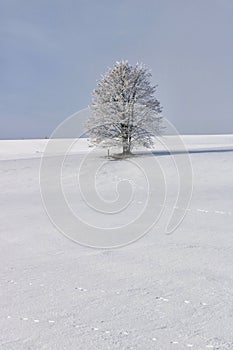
x=162, y=292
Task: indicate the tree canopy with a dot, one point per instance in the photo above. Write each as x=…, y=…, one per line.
x=124, y=109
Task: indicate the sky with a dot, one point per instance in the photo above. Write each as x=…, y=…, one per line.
x=53, y=52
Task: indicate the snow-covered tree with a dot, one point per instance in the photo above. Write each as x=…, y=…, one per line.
x=124, y=110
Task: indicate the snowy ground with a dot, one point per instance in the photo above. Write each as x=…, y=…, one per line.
x=162, y=292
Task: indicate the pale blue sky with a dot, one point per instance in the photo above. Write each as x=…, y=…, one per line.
x=53, y=51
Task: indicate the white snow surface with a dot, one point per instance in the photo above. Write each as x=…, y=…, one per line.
x=162, y=292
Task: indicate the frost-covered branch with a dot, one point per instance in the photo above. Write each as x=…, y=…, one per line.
x=124, y=108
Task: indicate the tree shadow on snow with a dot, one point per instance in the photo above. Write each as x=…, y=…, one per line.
x=194, y=151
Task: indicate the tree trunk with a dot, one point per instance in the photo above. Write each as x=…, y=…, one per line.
x=126, y=148
x=125, y=139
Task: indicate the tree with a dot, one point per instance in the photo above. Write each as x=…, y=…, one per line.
x=124, y=110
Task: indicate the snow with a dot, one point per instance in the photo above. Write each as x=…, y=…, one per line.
x=161, y=292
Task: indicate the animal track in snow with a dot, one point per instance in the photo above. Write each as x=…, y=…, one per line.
x=205, y=211
x=33, y=320
x=126, y=333
x=81, y=289
x=202, y=210
x=161, y=298
x=165, y=299
x=221, y=212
